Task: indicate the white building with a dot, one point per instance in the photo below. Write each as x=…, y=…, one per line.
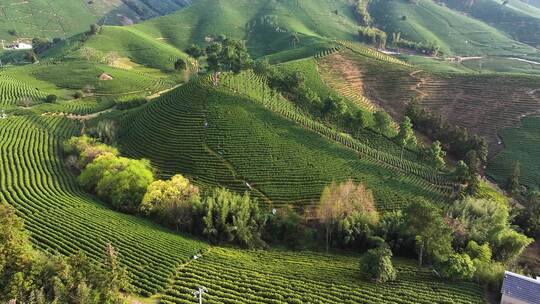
x=519, y=289
x=17, y=45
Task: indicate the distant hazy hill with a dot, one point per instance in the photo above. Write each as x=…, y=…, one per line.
x=518, y=19
x=454, y=32
x=62, y=18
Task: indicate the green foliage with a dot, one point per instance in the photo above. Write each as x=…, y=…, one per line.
x=372, y=35
x=228, y=55
x=513, y=180
x=51, y=98
x=454, y=33
x=457, y=140
x=173, y=202
x=382, y=122
x=456, y=267
x=405, y=137
x=85, y=150
x=214, y=137
x=520, y=145
x=120, y=181
x=232, y=218
x=436, y=155
x=131, y=103
x=510, y=244
x=528, y=218
x=287, y=227
x=377, y=265
x=28, y=276
x=180, y=64
x=432, y=235
x=195, y=51
x=486, y=221
x=57, y=211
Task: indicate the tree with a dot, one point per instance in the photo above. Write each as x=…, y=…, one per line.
x=121, y=181
x=29, y=276
x=229, y=55
x=194, y=51
x=295, y=39
x=461, y=173
x=334, y=106
x=180, y=64
x=173, y=201
x=435, y=155
x=382, y=121
x=94, y=29
x=513, y=180
x=229, y=217
x=432, y=235
x=339, y=201
x=51, y=98
x=377, y=265
x=473, y=162
x=456, y=267
x=406, y=137
x=528, y=218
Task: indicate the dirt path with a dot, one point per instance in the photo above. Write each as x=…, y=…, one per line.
x=419, y=85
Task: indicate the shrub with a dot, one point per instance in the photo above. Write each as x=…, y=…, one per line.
x=130, y=103
x=173, y=202
x=51, y=98
x=456, y=267
x=121, y=181
x=376, y=264
x=231, y=218
x=78, y=95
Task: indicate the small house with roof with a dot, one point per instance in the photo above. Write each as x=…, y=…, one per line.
x=519, y=289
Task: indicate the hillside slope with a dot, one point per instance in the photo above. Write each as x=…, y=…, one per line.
x=259, y=142
x=41, y=18
x=482, y=103
x=62, y=218
x=455, y=33
x=253, y=19
x=519, y=20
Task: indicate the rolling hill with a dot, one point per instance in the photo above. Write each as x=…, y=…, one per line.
x=455, y=33
x=517, y=19
x=50, y=19
x=252, y=140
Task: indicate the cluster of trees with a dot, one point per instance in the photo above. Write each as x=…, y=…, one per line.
x=29, y=276
x=362, y=12
x=429, y=48
x=372, y=35
x=456, y=140
x=129, y=185
x=332, y=108
x=223, y=55
x=471, y=238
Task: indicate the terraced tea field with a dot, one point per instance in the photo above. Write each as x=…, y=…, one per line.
x=13, y=91
x=62, y=218
x=484, y=104
x=234, y=276
x=258, y=141
x=521, y=143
